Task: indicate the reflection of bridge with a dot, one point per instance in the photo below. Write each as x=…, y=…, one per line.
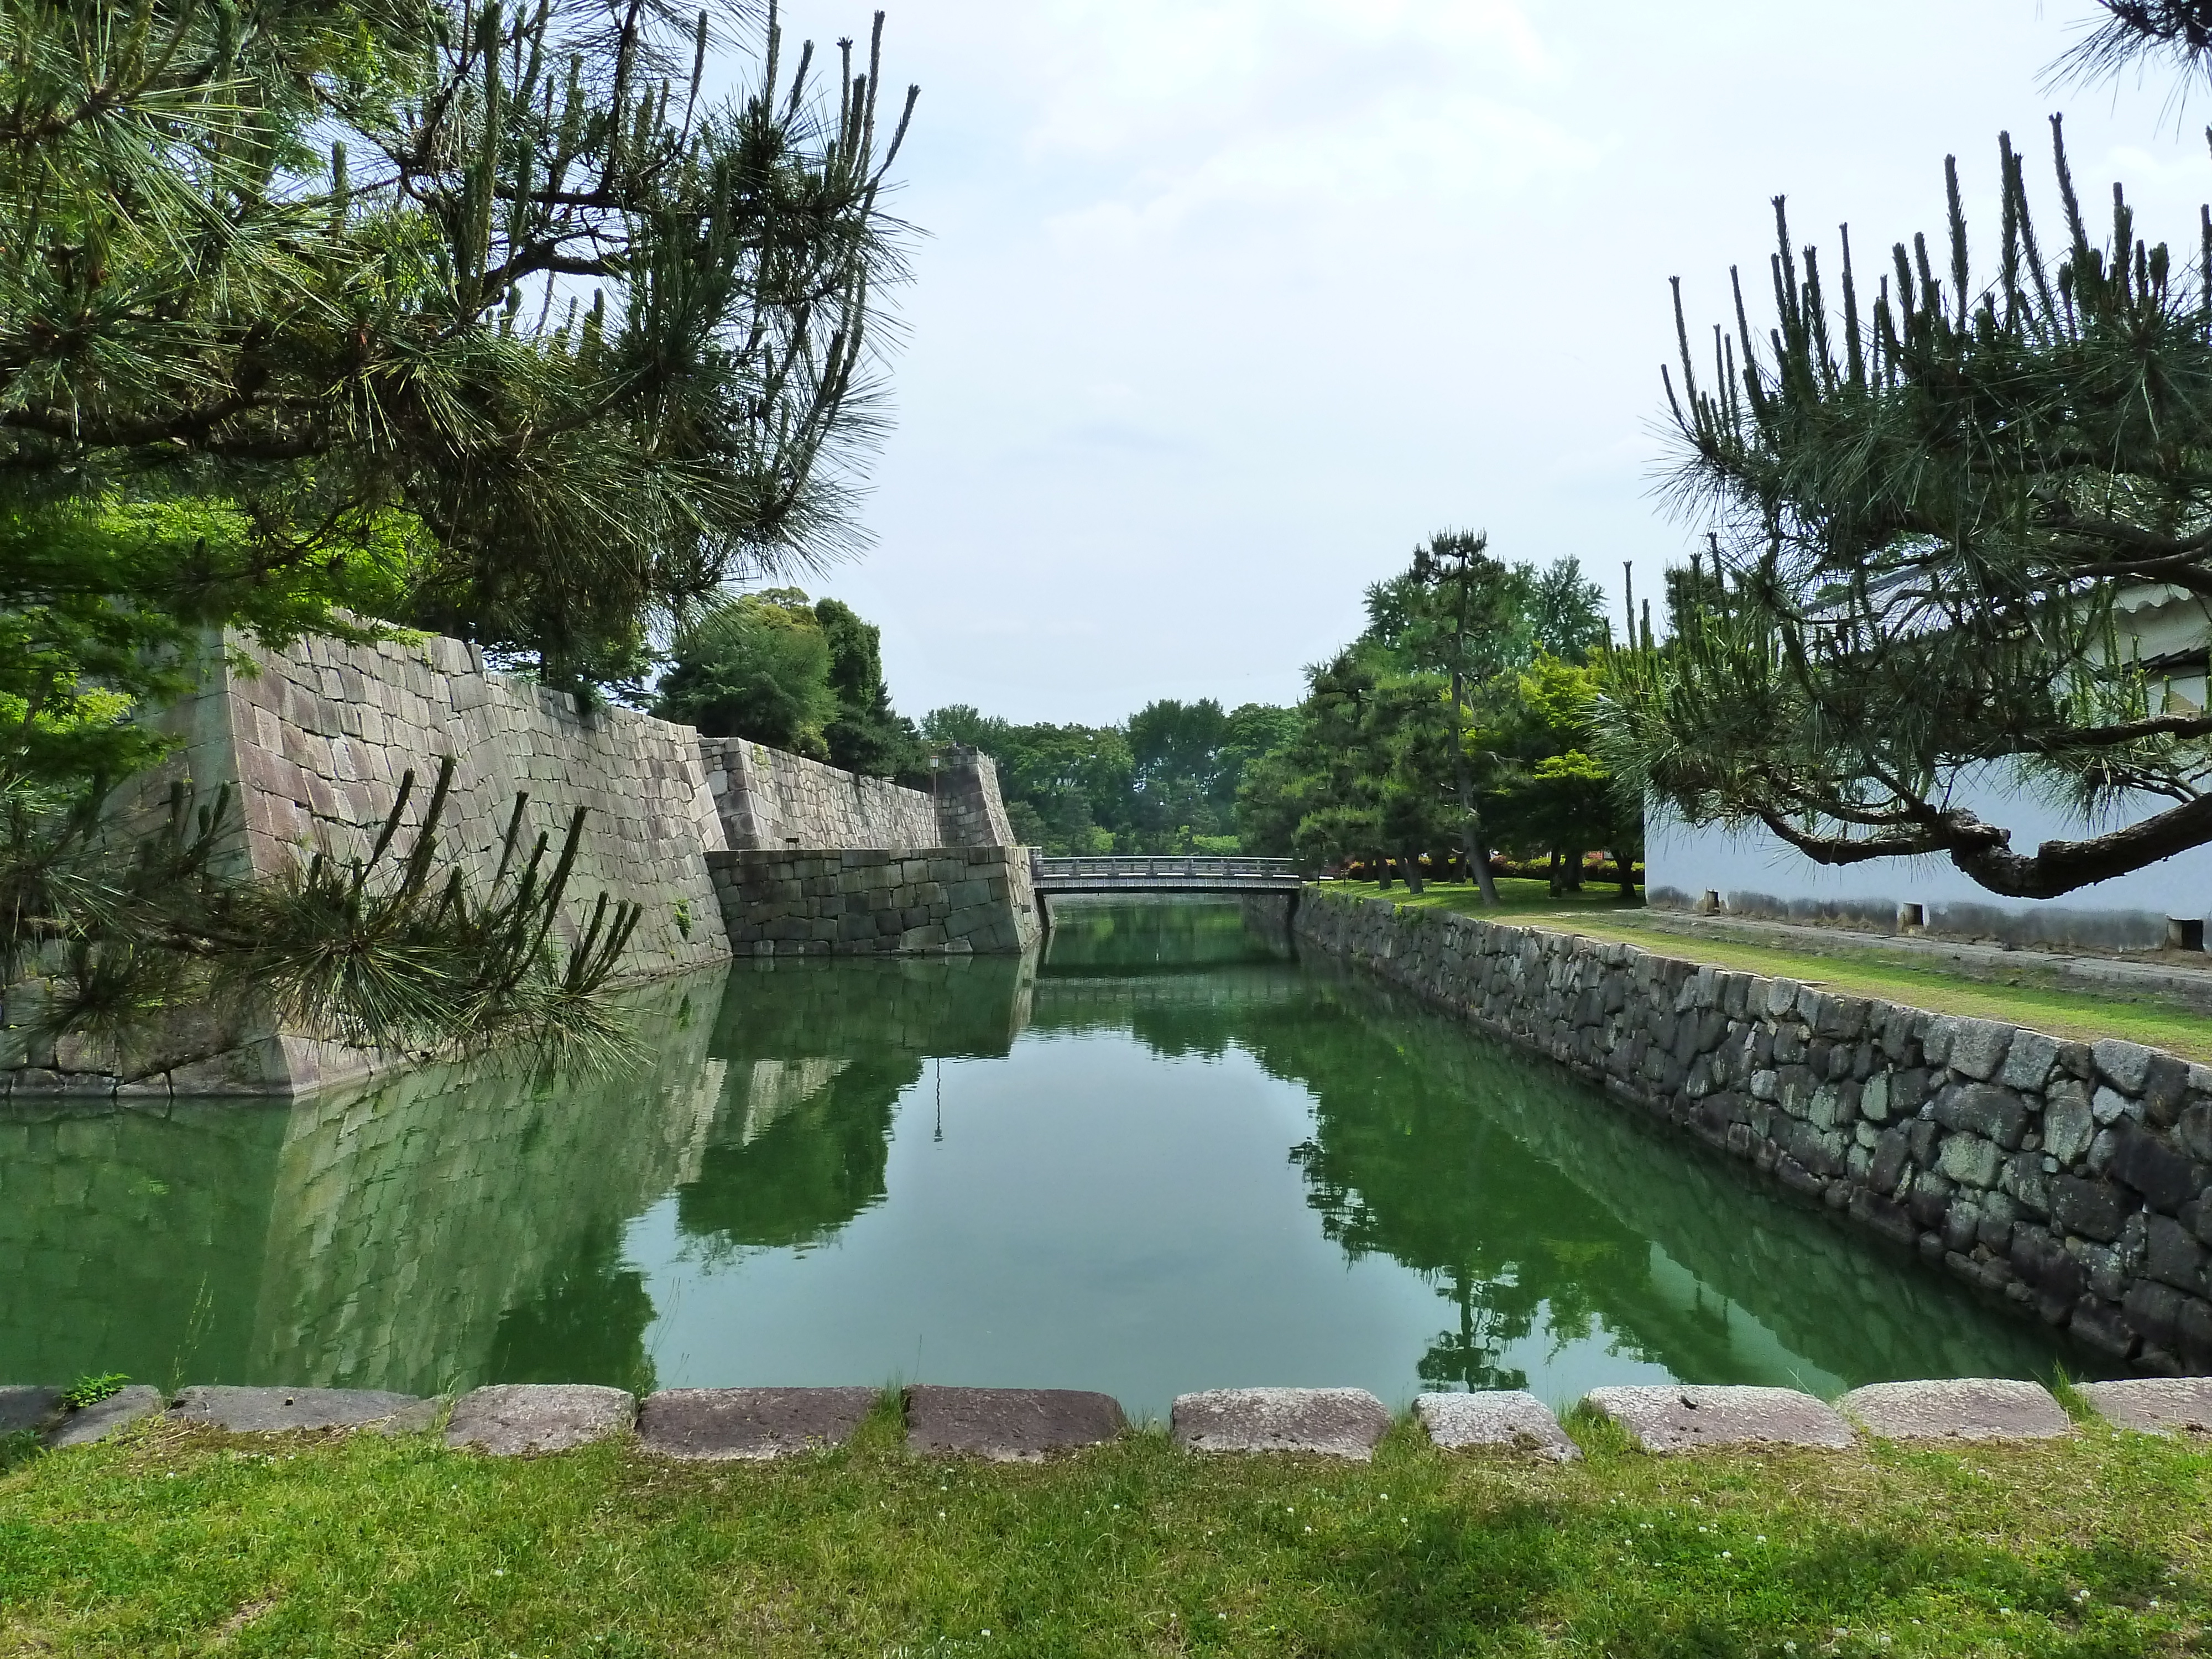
x=1181, y=873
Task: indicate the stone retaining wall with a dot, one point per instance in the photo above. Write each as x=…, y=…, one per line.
x=771, y=800
x=862, y=901
x=2068, y=1177
x=313, y=743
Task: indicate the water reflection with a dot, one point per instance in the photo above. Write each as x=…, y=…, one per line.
x=1165, y=1156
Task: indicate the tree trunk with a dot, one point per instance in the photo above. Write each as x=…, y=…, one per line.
x=1552, y=870
x=1473, y=846
x=1570, y=872
x=1628, y=874
x=1382, y=873
x=1411, y=863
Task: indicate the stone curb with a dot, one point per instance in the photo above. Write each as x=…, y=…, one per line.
x=724, y=1425
x=1512, y=1420
x=110, y=1416
x=1964, y=1408
x=1328, y=1422
x=283, y=1411
x=2152, y=1405
x=23, y=1409
x=1008, y=1426
x=517, y=1420
x=1680, y=1419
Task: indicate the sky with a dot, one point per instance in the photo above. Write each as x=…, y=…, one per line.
x=1220, y=306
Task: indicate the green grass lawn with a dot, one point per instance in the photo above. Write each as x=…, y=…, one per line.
x=176, y=1542
x=1600, y=913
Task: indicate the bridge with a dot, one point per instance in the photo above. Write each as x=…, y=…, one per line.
x=1169, y=872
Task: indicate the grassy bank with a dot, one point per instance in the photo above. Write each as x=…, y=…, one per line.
x=1600, y=914
x=179, y=1543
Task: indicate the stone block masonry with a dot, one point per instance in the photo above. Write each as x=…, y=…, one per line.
x=313, y=742
x=865, y=901
x=2072, y=1179
x=771, y=801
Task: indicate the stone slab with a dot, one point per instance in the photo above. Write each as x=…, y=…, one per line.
x=26, y=1407
x=1506, y=1419
x=1963, y=1408
x=1331, y=1422
x=281, y=1411
x=110, y=1416
x=2153, y=1405
x=1008, y=1425
x=1679, y=1419
x=714, y=1425
x=516, y=1420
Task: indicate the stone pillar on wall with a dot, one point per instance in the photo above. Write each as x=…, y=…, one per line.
x=970, y=813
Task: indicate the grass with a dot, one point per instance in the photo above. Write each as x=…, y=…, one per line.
x=176, y=1542
x=2060, y=1012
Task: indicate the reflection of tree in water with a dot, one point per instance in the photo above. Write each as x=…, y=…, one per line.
x=1404, y=1161
x=1174, y=936
x=585, y=1324
x=798, y=1151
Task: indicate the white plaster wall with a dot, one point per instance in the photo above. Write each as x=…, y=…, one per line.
x=1756, y=874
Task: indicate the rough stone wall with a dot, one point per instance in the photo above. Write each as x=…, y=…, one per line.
x=772, y=801
x=863, y=901
x=313, y=746
x=378, y=1237
x=2069, y=1178
x=970, y=811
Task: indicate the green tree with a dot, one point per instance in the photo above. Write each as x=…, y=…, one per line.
x=757, y=666
x=866, y=734
x=1926, y=514
x=510, y=273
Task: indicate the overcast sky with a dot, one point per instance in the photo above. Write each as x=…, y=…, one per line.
x=1226, y=304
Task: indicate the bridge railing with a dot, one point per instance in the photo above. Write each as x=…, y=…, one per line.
x=1166, y=866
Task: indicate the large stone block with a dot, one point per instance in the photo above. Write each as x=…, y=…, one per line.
x=513, y=1420
x=717, y=1425
x=1680, y=1418
x=1009, y=1425
x=107, y=1417
x=2152, y=1405
x=1505, y=1420
x=1968, y=1409
x=1327, y=1422
x=281, y=1411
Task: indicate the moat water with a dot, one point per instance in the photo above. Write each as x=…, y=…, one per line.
x=1166, y=1155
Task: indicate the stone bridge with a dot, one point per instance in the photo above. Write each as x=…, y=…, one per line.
x=1176, y=872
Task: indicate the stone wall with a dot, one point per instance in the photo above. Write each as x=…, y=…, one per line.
x=313, y=744
x=770, y=800
x=863, y=901
x=970, y=811
x=2068, y=1178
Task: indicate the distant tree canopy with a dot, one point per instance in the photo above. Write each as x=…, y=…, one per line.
x=1926, y=513
x=805, y=678
x=1166, y=781
x=1459, y=723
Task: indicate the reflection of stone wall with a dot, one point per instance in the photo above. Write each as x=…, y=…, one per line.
x=409, y=1219
x=950, y=1006
x=417, y=1234
x=1805, y=1283
x=131, y=1238
x=957, y=899
x=2074, y=1181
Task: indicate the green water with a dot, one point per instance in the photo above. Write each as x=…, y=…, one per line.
x=1168, y=1156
